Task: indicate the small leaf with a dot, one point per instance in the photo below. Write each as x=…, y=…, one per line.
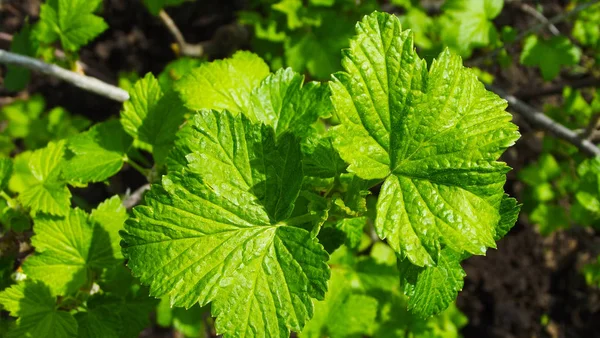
x=152, y=117
x=111, y=216
x=285, y=102
x=431, y=290
x=36, y=308
x=98, y=153
x=223, y=84
x=71, y=21
x=46, y=192
x=67, y=250
x=550, y=55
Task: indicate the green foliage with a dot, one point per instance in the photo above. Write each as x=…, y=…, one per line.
x=76, y=284
x=70, y=21
x=448, y=157
x=152, y=117
x=304, y=35
x=22, y=43
x=585, y=28
x=107, y=143
x=286, y=267
x=340, y=209
x=238, y=218
x=35, y=305
x=467, y=24
x=203, y=87
x=44, y=190
x=549, y=55
x=27, y=121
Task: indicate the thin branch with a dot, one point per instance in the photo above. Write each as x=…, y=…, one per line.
x=588, y=133
x=136, y=197
x=539, y=16
x=543, y=121
x=84, y=82
x=536, y=28
x=558, y=89
x=193, y=50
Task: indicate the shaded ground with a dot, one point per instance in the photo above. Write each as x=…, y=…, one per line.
x=529, y=287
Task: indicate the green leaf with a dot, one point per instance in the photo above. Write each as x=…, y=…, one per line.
x=17, y=78
x=432, y=136
x=97, y=154
x=549, y=55
x=585, y=28
x=549, y=218
x=152, y=117
x=111, y=215
x=293, y=11
x=431, y=290
x=46, y=192
x=223, y=84
x=321, y=159
x=318, y=50
x=98, y=322
x=6, y=168
x=68, y=250
x=123, y=296
x=353, y=228
x=36, y=308
x=21, y=114
x=175, y=70
x=187, y=321
x=342, y=313
x=284, y=102
x=509, y=213
x=467, y=23
x=71, y=21
x=216, y=230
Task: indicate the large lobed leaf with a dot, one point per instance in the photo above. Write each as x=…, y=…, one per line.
x=433, y=136
x=35, y=305
x=215, y=230
x=70, y=249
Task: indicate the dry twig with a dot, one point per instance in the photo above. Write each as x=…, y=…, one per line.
x=84, y=82
x=543, y=121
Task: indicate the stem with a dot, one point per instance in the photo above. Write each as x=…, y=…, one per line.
x=539, y=16
x=193, y=50
x=554, y=20
x=84, y=82
x=591, y=127
x=294, y=221
x=542, y=120
x=138, y=167
x=135, y=197
x=9, y=200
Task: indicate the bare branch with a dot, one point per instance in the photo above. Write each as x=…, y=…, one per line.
x=84, y=82
x=536, y=28
x=588, y=133
x=543, y=121
x=193, y=50
x=558, y=88
x=136, y=197
x=539, y=16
